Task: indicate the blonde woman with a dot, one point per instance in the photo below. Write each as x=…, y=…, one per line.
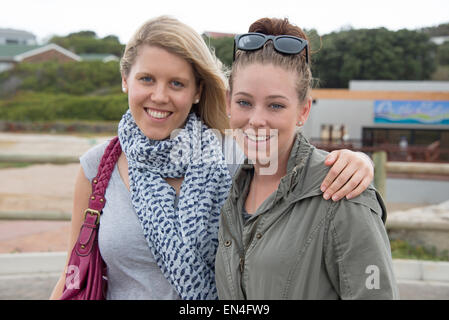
x=158, y=230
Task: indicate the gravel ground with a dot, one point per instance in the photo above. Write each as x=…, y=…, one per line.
x=38, y=188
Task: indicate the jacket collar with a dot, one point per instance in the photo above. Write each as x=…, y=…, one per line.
x=292, y=184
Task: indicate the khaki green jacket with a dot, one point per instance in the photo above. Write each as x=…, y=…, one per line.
x=298, y=245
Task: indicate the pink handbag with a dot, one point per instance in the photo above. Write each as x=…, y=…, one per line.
x=86, y=271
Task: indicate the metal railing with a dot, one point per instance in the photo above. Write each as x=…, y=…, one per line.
x=412, y=153
x=383, y=167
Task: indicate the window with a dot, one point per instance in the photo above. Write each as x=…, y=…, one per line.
x=372, y=137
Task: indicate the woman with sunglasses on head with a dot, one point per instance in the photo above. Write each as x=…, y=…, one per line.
x=278, y=237
x=158, y=230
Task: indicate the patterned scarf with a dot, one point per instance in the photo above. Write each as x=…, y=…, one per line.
x=183, y=239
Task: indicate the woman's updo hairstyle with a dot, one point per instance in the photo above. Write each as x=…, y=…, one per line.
x=268, y=55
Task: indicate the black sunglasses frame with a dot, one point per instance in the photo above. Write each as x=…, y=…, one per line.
x=303, y=42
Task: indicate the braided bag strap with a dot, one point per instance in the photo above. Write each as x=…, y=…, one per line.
x=100, y=182
x=91, y=271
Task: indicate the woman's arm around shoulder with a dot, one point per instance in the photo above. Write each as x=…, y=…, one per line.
x=350, y=174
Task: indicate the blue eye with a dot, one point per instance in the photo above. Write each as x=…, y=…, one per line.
x=177, y=84
x=276, y=106
x=243, y=103
x=146, y=79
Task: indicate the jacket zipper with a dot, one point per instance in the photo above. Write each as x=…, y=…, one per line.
x=242, y=259
x=242, y=266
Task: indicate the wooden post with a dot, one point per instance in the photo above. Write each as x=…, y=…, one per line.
x=380, y=171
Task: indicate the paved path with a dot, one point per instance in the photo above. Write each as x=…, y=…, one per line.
x=27, y=287
x=423, y=290
x=39, y=287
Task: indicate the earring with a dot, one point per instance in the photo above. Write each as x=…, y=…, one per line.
x=196, y=101
x=124, y=90
x=229, y=116
x=299, y=123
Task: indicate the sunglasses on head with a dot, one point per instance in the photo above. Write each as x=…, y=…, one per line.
x=284, y=43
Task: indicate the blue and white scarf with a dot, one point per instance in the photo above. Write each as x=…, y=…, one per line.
x=183, y=239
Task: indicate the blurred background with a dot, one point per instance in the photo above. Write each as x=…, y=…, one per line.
x=381, y=71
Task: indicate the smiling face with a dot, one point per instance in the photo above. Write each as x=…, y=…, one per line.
x=264, y=105
x=161, y=89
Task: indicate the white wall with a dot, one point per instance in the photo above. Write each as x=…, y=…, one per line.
x=416, y=191
x=5, y=66
x=355, y=114
x=383, y=85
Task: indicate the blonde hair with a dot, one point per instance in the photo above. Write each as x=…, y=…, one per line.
x=178, y=38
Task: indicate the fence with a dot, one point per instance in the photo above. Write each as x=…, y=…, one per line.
x=382, y=169
x=412, y=153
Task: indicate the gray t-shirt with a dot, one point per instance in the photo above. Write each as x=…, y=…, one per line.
x=132, y=270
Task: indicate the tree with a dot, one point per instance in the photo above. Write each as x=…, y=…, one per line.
x=88, y=42
x=443, y=53
x=373, y=54
x=222, y=47
x=440, y=30
x=85, y=34
x=314, y=40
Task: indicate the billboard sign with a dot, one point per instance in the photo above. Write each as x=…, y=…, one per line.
x=411, y=112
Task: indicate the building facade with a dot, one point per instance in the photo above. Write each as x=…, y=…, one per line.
x=19, y=37
x=373, y=113
x=12, y=54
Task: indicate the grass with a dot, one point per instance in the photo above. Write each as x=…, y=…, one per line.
x=402, y=250
x=7, y=165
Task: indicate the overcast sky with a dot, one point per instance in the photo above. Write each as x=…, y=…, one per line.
x=121, y=18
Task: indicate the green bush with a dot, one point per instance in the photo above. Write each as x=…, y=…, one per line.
x=88, y=42
x=71, y=77
x=443, y=53
x=222, y=47
x=30, y=106
x=402, y=250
